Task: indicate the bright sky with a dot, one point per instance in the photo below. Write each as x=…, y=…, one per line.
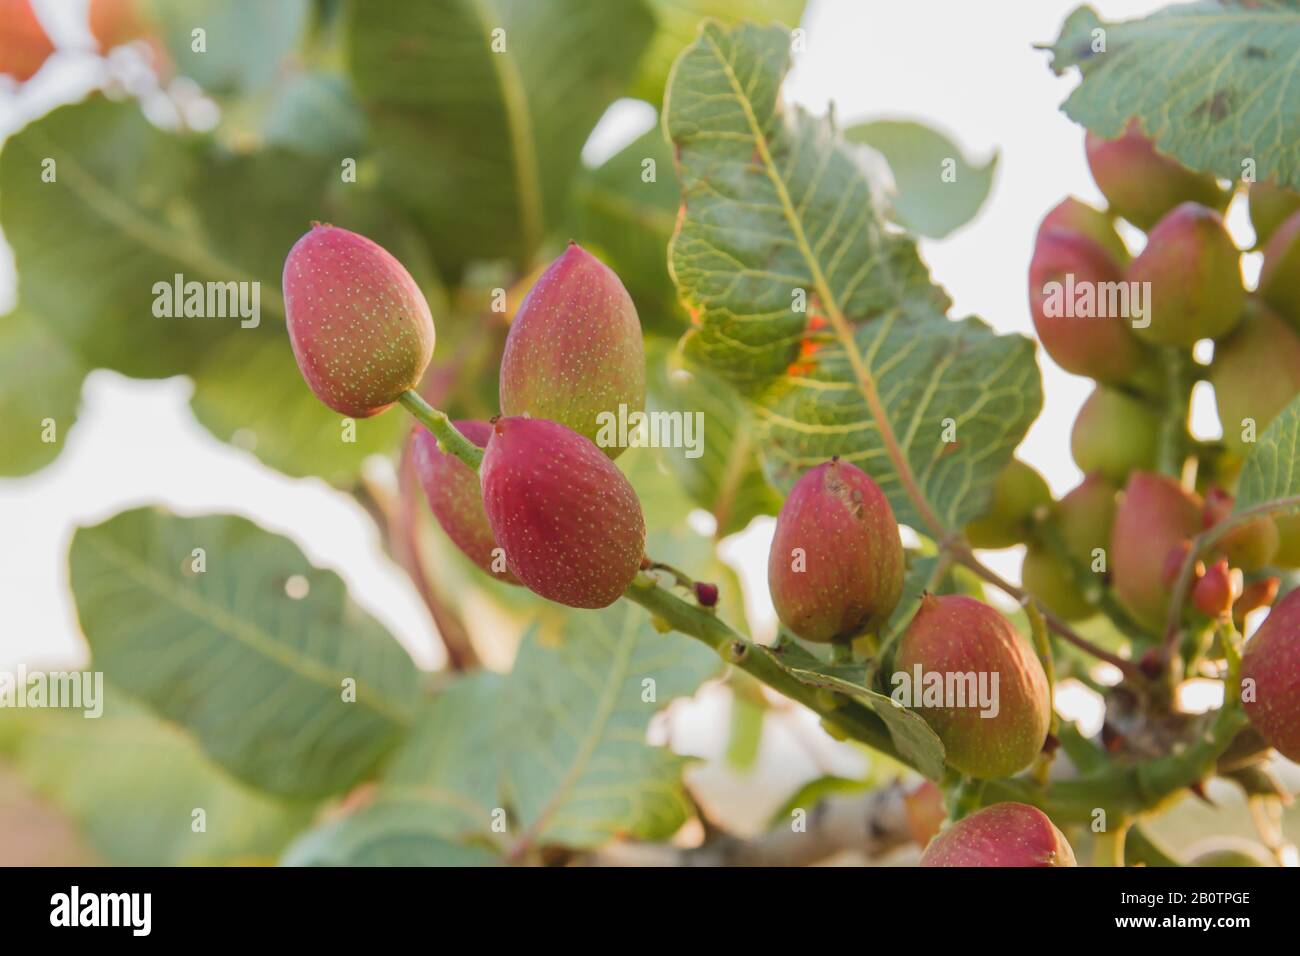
x=967, y=68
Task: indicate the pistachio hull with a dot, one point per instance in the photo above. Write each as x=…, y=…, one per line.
x=1256, y=372
x=1155, y=516
x=1005, y=834
x=1142, y=184
x=1114, y=434
x=1270, y=670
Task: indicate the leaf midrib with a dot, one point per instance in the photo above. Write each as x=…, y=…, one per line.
x=250, y=635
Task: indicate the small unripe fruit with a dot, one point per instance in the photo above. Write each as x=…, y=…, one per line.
x=836, y=565
x=1250, y=546
x=568, y=519
x=1005, y=834
x=1270, y=206
x=1195, y=275
x=1018, y=491
x=1085, y=515
x=1279, y=277
x=1115, y=434
x=575, y=354
x=1086, y=339
x=1255, y=373
x=360, y=327
x=1154, y=517
x=1072, y=215
x=455, y=497
x=1048, y=579
x=1142, y=184
x=1214, y=592
x=1272, y=663
x=956, y=635
x=24, y=44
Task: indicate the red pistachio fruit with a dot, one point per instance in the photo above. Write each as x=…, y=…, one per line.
x=1005, y=834
x=1271, y=664
x=360, y=327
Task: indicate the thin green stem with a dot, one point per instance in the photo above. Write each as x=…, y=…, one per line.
x=449, y=438
x=1179, y=379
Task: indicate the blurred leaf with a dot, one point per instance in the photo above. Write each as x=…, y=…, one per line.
x=244, y=41
x=132, y=782
x=629, y=222
x=258, y=677
x=677, y=22
x=777, y=206
x=926, y=202
x=577, y=768
x=1273, y=469
x=484, y=145
x=745, y=734
x=316, y=113
x=726, y=479
x=90, y=245
x=814, y=792
x=1211, y=82
x=40, y=379
x=389, y=832
x=451, y=760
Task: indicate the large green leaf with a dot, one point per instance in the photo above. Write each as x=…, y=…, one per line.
x=132, y=784
x=91, y=244
x=483, y=145
x=1213, y=83
x=388, y=832
x=627, y=215
x=259, y=677
x=243, y=42
x=931, y=198
x=676, y=23
x=577, y=768
x=778, y=206
x=40, y=389
x=1273, y=469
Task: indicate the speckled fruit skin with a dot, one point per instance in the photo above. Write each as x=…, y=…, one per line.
x=1100, y=347
x=568, y=519
x=1272, y=661
x=957, y=634
x=1154, y=517
x=1142, y=184
x=455, y=496
x=360, y=328
x=575, y=349
x=1018, y=491
x=1255, y=373
x=1114, y=434
x=852, y=572
x=1195, y=275
x=1279, y=277
x=1047, y=578
x=24, y=44
x=1085, y=514
x=1270, y=206
x=1073, y=215
x=1005, y=834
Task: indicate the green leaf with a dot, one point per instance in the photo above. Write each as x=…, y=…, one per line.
x=132, y=783
x=91, y=244
x=40, y=389
x=301, y=697
x=1273, y=469
x=1211, y=82
x=451, y=758
x=677, y=22
x=814, y=792
x=577, y=768
x=483, y=145
x=243, y=42
x=316, y=113
x=726, y=479
x=388, y=832
x=929, y=200
x=629, y=221
x=777, y=206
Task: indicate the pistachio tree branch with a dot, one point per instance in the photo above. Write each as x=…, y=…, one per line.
x=1172, y=444
x=449, y=437
x=1202, y=543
